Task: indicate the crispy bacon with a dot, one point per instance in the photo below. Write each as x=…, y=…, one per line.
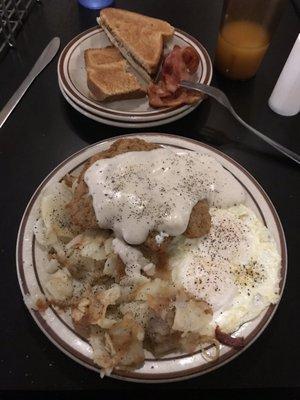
x=179, y=65
x=175, y=69
x=191, y=59
x=224, y=338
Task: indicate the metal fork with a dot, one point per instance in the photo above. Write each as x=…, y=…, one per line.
x=221, y=98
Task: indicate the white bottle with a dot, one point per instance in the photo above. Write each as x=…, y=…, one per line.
x=285, y=98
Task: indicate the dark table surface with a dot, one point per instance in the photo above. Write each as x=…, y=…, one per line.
x=44, y=130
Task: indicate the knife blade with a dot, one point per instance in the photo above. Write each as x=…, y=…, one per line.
x=44, y=59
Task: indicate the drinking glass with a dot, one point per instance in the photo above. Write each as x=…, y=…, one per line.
x=245, y=34
x=95, y=4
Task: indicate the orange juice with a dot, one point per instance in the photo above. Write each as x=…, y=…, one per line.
x=241, y=47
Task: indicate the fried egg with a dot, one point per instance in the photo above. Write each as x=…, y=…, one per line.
x=235, y=268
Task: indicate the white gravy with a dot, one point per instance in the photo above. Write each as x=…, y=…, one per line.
x=137, y=192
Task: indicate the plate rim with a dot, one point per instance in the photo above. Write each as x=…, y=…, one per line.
x=125, y=124
x=194, y=371
x=126, y=115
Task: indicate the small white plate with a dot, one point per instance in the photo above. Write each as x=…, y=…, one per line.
x=72, y=77
x=58, y=328
x=124, y=124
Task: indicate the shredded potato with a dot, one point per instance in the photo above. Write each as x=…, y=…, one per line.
x=121, y=310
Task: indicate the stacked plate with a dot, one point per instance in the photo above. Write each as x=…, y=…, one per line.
x=134, y=113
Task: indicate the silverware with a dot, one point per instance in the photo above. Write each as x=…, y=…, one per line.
x=43, y=60
x=218, y=95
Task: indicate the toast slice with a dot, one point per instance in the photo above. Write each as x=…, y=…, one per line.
x=95, y=57
x=139, y=38
x=111, y=81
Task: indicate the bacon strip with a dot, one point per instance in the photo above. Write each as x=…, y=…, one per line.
x=179, y=65
x=228, y=340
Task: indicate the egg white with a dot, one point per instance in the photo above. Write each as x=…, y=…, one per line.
x=235, y=268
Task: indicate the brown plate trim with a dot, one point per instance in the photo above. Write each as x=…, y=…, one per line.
x=152, y=377
x=133, y=124
x=95, y=104
x=126, y=124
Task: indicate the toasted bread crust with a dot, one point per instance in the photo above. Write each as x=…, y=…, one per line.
x=95, y=57
x=107, y=76
x=109, y=90
x=143, y=36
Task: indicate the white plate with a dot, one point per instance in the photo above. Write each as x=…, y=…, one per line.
x=123, y=124
x=72, y=77
x=30, y=262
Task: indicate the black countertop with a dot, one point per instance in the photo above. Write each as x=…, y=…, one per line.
x=44, y=130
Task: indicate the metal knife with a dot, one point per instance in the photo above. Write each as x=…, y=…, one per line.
x=43, y=60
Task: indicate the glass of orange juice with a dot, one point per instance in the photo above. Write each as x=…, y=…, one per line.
x=246, y=30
